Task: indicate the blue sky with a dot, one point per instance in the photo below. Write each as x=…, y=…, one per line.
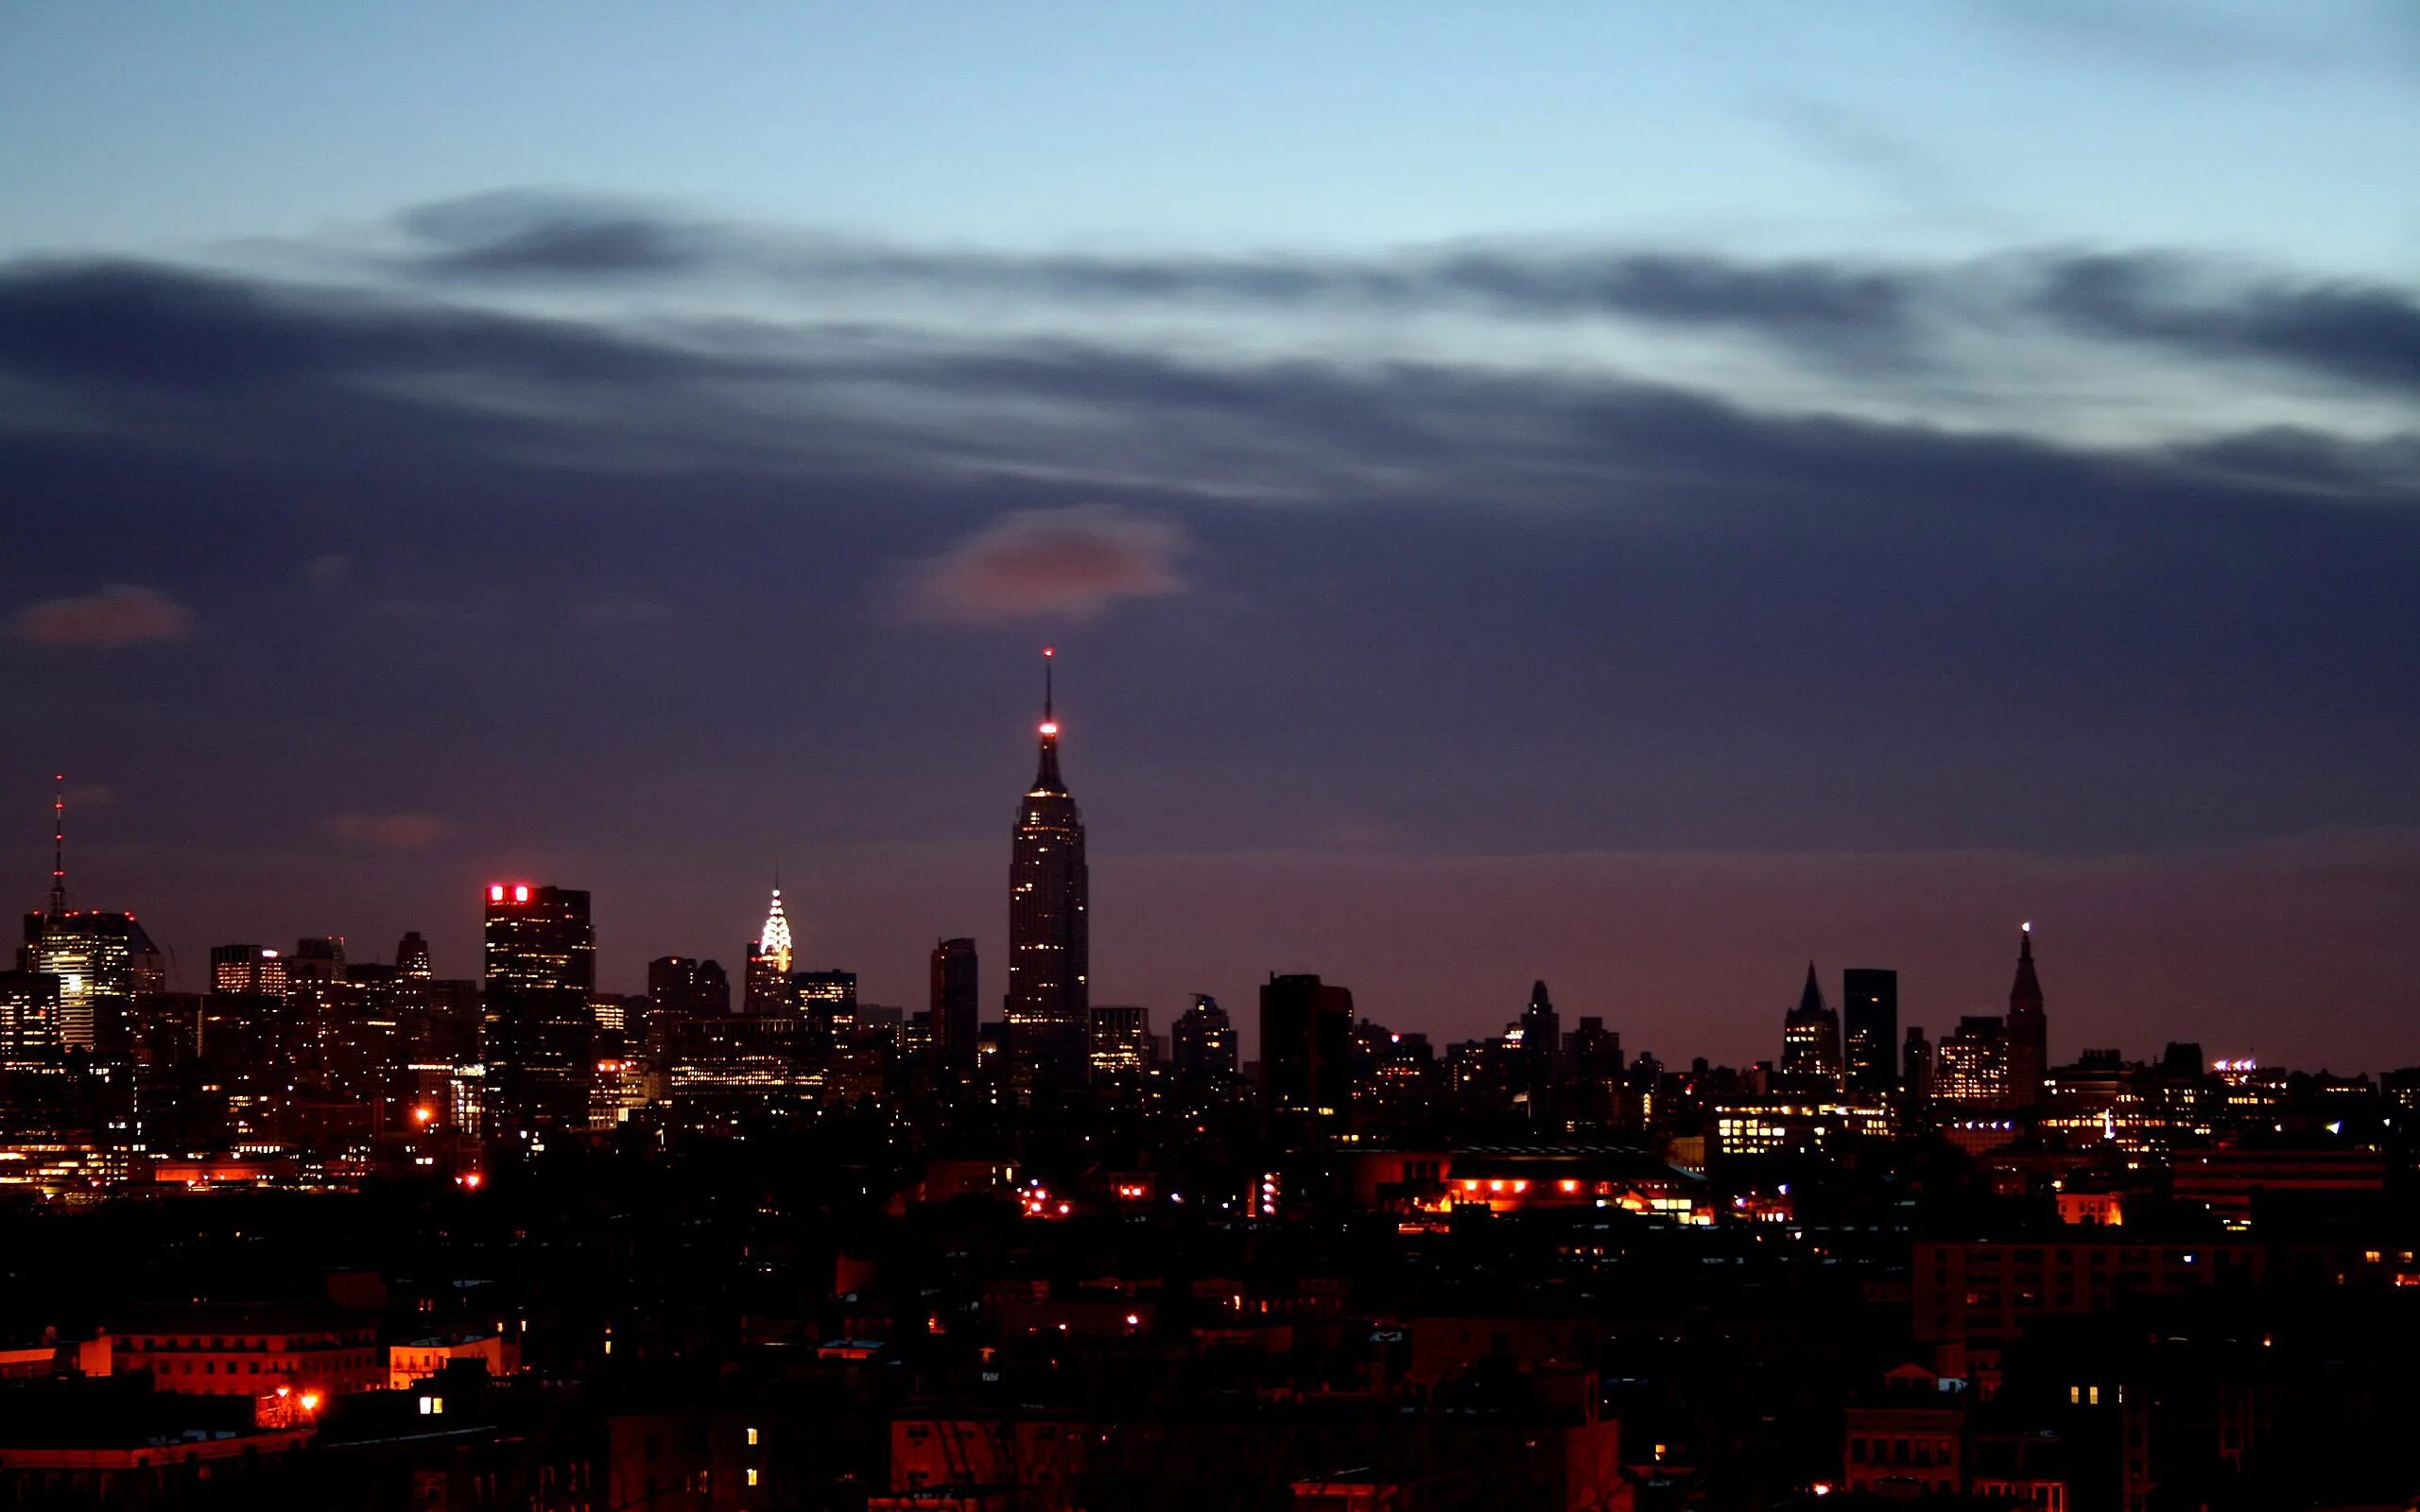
x=1637, y=495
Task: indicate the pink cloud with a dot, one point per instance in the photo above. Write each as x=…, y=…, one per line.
x=389, y=832
x=1071, y=563
x=118, y=614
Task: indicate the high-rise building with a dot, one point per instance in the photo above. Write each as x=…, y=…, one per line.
x=1305, y=1046
x=829, y=1001
x=686, y=987
x=1915, y=1064
x=2026, y=1032
x=1202, y=1043
x=541, y=1036
x=104, y=961
x=1049, y=994
x=1810, y=1039
x=957, y=1004
x=29, y=1020
x=252, y=970
x=412, y=961
x=1120, y=1043
x=1869, y=1010
x=770, y=956
x=320, y=959
x=1970, y=1067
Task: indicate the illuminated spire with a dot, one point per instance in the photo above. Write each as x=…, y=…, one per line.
x=1046, y=777
x=58, y=904
x=774, y=943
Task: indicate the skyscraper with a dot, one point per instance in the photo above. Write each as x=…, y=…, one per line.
x=1810, y=1039
x=1120, y=1040
x=1870, y=1003
x=1202, y=1043
x=2027, y=1033
x=541, y=1036
x=767, y=987
x=1305, y=1041
x=412, y=960
x=1048, y=1003
x=104, y=961
x=956, y=1004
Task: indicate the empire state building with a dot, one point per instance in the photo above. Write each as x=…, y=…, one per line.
x=1050, y=954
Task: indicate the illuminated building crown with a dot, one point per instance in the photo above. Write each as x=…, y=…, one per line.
x=774, y=943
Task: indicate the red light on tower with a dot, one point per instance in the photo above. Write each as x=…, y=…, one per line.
x=496, y=892
x=521, y=893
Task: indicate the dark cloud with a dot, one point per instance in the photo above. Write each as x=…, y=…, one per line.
x=117, y=615
x=2360, y=334
x=1843, y=313
x=1067, y=563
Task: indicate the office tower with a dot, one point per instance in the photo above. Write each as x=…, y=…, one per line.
x=1869, y=1010
x=1592, y=1068
x=2026, y=1032
x=1120, y=1041
x=318, y=959
x=829, y=1000
x=1915, y=1064
x=1970, y=1067
x=1305, y=1040
x=686, y=987
x=1202, y=1043
x=1049, y=951
x=956, y=1004
x=541, y=969
x=412, y=961
x=1810, y=1039
x=29, y=1020
x=252, y=970
x=771, y=956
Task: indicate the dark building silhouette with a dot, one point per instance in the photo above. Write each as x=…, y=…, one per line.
x=687, y=985
x=247, y=969
x=28, y=1019
x=1870, y=1022
x=541, y=1036
x=956, y=1003
x=827, y=1001
x=1202, y=1043
x=1048, y=1006
x=1305, y=1046
x=2025, y=1033
x=412, y=959
x=1541, y=1048
x=1810, y=1039
x=1915, y=1063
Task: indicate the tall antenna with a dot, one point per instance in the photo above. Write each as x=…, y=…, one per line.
x=1047, y=653
x=58, y=844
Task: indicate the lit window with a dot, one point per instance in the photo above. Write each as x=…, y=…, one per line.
x=751, y=1438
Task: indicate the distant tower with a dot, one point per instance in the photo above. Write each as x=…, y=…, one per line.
x=56, y=905
x=1049, y=996
x=1870, y=1010
x=2027, y=1033
x=1541, y=1049
x=957, y=1004
x=412, y=959
x=767, y=987
x=1810, y=1037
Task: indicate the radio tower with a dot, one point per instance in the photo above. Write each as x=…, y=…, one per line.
x=58, y=905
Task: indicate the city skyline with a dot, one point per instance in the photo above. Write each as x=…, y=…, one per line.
x=1633, y=498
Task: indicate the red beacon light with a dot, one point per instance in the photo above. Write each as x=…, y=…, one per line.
x=521, y=893
x=496, y=892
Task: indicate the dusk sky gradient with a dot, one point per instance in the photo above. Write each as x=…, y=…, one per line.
x=1639, y=496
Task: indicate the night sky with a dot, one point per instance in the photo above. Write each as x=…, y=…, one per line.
x=1637, y=496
